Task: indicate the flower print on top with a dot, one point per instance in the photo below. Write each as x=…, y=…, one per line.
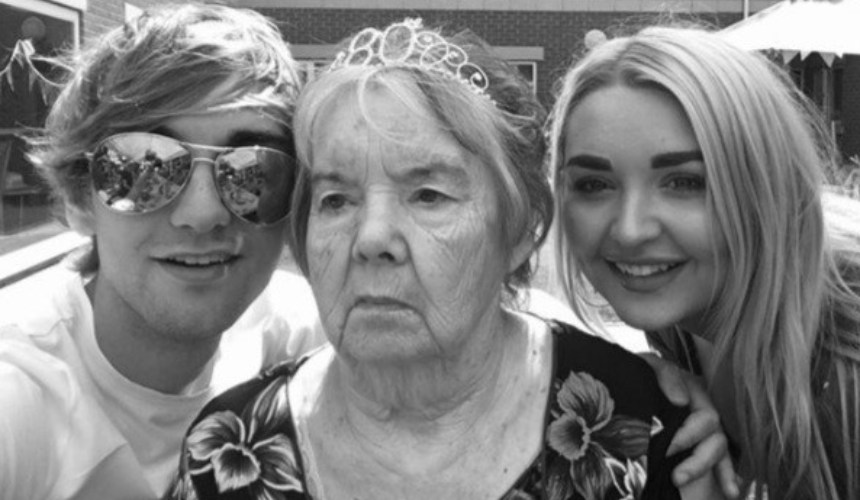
x=596, y=452
x=597, y=442
x=248, y=452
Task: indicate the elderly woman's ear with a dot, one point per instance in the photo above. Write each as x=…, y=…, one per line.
x=520, y=253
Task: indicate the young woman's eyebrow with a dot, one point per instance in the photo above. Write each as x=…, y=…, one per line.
x=589, y=162
x=675, y=158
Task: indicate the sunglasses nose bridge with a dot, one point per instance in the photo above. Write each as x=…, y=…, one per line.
x=210, y=164
x=205, y=159
x=200, y=205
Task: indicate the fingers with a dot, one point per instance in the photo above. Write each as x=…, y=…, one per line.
x=670, y=379
x=712, y=449
x=701, y=424
x=701, y=431
x=727, y=478
x=708, y=454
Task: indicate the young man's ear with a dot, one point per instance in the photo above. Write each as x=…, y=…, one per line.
x=80, y=219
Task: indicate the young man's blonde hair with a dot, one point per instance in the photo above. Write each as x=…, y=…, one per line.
x=171, y=60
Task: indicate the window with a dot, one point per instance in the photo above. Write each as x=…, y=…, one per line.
x=310, y=68
x=29, y=30
x=529, y=71
x=525, y=59
x=132, y=12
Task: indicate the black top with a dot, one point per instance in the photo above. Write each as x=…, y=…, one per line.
x=608, y=426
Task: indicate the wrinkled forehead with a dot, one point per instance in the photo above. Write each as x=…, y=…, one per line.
x=394, y=118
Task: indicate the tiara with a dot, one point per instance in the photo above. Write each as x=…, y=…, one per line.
x=409, y=44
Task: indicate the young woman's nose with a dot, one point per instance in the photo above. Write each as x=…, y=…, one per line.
x=635, y=220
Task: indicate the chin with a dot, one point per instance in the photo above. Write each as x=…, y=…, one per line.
x=646, y=320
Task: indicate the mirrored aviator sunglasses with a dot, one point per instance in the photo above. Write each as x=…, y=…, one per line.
x=140, y=172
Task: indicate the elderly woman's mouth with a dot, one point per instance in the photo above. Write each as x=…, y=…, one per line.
x=380, y=302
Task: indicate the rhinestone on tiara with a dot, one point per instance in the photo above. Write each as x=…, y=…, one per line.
x=409, y=44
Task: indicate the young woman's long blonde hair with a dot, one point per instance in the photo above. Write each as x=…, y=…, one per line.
x=786, y=319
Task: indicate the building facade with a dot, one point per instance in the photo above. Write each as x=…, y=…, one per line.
x=541, y=37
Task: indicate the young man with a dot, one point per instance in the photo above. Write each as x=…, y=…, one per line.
x=171, y=146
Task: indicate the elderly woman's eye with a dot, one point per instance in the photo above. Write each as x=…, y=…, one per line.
x=334, y=201
x=429, y=196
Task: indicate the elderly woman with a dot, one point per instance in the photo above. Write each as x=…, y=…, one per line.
x=421, y=200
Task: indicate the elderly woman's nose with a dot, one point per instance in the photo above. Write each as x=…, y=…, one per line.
x=379, y=235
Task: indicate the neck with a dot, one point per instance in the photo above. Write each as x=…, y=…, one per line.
x=140, y=353
x=433, y=396
x=391, y=450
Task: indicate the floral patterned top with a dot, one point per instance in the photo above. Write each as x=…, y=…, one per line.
x=608, y=426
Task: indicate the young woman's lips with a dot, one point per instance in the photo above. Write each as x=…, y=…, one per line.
x=645, y=278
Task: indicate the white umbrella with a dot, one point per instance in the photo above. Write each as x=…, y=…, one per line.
x=830, y=28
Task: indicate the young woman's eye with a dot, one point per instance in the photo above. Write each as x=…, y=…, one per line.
x=589, y=185
x=687, y=183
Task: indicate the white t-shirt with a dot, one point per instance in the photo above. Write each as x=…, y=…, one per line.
x=71, y=426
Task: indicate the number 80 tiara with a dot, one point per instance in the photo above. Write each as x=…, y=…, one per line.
x=409, y=44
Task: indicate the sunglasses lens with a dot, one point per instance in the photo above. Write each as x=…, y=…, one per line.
x=138, y=172
x=256, y=183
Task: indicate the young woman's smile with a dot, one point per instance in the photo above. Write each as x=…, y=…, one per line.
x=633, y=190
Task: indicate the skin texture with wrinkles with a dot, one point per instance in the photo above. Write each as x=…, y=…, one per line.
x=408, y=217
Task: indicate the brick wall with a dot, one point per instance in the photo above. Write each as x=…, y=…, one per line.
x=850, y=143
x=104, y=15
x=559, y=33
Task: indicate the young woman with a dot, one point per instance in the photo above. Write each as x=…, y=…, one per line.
x=689, y=176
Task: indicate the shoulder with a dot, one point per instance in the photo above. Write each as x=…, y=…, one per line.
x=254, y=418
x=53, y=432
x=37, y=305
x=612, y=395
x=27, y=453
x=39, y=358
x=589, y=363
x=624, y=371
x=545, y=305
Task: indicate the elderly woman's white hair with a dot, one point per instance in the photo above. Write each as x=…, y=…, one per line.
x=787, y=316
x=503, y=127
